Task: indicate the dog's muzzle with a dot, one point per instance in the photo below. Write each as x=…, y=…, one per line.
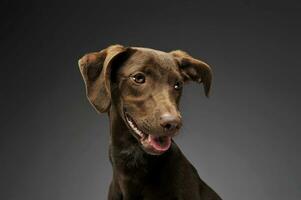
x=155, y=145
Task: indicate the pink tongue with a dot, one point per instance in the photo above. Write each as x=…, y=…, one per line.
x=159, y=143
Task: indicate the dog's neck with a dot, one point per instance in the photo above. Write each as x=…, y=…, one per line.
x=125, y=150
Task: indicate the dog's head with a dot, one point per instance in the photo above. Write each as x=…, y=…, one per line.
x=144, y=86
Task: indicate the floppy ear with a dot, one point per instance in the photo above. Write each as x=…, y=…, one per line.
x=95, y=68
x=193, y=69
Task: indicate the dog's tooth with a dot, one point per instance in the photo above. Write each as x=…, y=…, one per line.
x=139, y=132
x=134, y=127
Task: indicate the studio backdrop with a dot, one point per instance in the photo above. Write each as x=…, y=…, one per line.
x=244, y=139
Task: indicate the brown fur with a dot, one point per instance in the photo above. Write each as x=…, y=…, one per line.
x=138, y=171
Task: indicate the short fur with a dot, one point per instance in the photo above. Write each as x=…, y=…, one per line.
x=139, y=172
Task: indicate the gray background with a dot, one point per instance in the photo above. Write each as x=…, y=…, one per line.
x=244, y=140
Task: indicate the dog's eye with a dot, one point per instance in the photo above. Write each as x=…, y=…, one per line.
x=178, y=85
x=138, y=78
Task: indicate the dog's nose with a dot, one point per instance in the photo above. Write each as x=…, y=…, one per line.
x=170, y=122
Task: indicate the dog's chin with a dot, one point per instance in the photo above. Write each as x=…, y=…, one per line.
x=151, y=144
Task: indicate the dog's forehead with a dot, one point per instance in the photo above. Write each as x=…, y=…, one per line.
x=154, y=58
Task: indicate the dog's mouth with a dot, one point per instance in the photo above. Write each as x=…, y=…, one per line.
x=155, y=145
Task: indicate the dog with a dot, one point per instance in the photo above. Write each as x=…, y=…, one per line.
x=140, y=89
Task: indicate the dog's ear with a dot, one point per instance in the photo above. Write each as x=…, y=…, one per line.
x=193, y=69
x=95, y=68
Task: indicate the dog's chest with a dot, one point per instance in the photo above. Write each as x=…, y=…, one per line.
x=159, y=185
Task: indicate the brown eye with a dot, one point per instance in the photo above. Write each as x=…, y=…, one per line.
x=138, y=78
x=178, y=85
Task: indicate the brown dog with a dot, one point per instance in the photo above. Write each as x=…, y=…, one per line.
x=140, y=88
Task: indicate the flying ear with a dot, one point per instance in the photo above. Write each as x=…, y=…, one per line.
x=95, y=68
x=193, y=69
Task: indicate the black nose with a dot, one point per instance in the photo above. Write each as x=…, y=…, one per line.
x=170, y=122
